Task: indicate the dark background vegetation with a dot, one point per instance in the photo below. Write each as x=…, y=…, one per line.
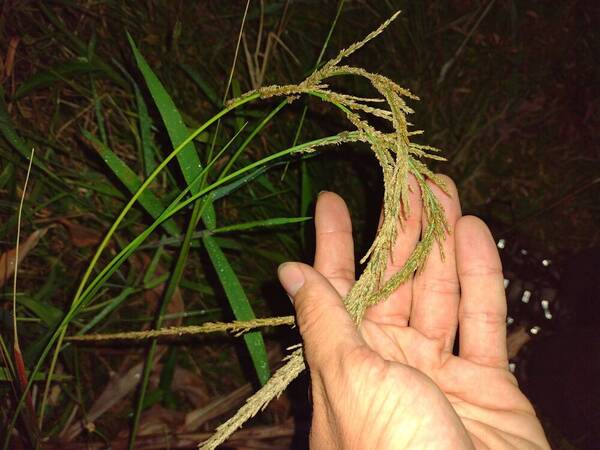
x=515, y=109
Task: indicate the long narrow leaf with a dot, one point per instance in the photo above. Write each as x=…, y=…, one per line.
x=306, y=184
x=46, y=312
x=80, y=47
x=145, y=124
x=170, y=290
x=252, y=135
x=80, y=297
x=188, y=159
x=39, y=376
x=10, y=134
x=50, y=76
x=274, y=222
x=130, y=180
x=109, y=308
x=190, y=166
x=177, y=205
x=240, y=306
x=98, y=111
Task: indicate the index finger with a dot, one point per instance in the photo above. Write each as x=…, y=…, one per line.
x=334, y=253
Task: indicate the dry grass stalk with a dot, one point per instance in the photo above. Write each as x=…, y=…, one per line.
x=237, y=327
x=398, y=158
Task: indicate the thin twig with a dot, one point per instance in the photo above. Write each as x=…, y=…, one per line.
x=446, y=67
x=237, y=49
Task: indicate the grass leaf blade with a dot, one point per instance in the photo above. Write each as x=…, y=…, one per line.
x=147, y=199
x=274, y=222
x=188, y=159
x=49, y=77
x=145, y=124
x=190, y=165
x=10, y=134
x=240, y=306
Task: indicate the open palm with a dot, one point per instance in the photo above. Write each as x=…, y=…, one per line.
x=394, y=382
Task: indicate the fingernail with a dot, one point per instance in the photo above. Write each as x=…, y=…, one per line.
x=322, y=192
x=291, y=278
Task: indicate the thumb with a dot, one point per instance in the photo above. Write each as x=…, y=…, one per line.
x=326, y=327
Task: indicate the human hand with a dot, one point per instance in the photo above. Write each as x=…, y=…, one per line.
x=394, y=382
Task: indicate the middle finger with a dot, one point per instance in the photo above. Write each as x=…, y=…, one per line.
x=395, y=310
x=436, y=288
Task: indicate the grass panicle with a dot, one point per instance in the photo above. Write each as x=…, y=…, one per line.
x=109, y=224
x=398, y=158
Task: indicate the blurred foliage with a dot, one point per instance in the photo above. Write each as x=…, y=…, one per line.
x=509, y=90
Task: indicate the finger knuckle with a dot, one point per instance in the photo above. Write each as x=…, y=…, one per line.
x=487, y=318
x=483, y=271
x=443, y=286
x=342, y=273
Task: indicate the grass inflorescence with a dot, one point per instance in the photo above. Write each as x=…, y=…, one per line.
x=201, y=229
x=397, y=158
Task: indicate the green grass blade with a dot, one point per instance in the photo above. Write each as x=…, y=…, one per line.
x=145, y=124
x=252, y=225
x=48, y=313
x=168, y=294
x=216, y=190
x=338, y=11
x=152, y=267
x=148, y=149
x=6, y=359
x=173, y=208
x=252, y=135
x=80, y=47
x=190, y=165
x=50, y=76
x=306, y=185
x=80, y=299
x=188, y=158
x=5, y=375
x=237, y=183
x=9, y=133
x=98, y=111
x=236, y=90
x=245, y=226
x=109, y=308
x=259, y=167
x=130, y=180
x=240, y=306
x=177, y=205
x=7, y=174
